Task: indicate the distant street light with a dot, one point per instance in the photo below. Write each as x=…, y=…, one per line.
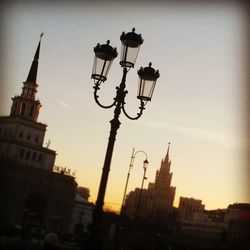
x=125, y=192
x=145, y=165
x=104, y=56
x=128, y=175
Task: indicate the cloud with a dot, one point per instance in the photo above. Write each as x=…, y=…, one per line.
x=213, y=136
x=224, y=140
x=64, y=104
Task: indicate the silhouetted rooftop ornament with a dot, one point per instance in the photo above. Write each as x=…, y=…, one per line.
x=34, y=66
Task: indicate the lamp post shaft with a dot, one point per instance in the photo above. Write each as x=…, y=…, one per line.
x=140, y=195
x=115, y=124
x=128, y=175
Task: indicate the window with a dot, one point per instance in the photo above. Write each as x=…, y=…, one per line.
x=23, y=106
x=27, y=154
x=36, y=139
x=32, y=93
x=28, y=137
x=20, y=134
x=21, y=153
x=31, y=110
x=34, y=156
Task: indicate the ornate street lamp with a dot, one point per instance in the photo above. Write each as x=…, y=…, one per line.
x=104, y=56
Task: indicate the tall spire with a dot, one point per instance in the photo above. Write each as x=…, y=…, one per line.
x=33, y=69
x=167, y=155
x=26, y=104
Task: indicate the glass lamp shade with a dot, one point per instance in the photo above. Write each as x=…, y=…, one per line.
x=130, y=46
x=145, y=164
x=147, y=80
x=104, y=56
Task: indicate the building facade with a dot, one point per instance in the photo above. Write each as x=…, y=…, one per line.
x=157, y=200
x=188, y=207
x=237, y=218
x=31, y=193
x=218, y=229
x=82, y=212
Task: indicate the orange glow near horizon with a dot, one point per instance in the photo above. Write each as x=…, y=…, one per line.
x=199, y=102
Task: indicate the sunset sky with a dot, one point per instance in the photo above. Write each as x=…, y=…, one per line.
x=199, y=103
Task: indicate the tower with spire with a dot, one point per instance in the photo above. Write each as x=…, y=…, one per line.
x=157, y=200
x=162, y=193
x=32, y=194
x=22, y=136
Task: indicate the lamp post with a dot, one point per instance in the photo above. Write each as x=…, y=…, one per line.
x=128, y=175
x=104, y=56
x=125, y=192
x=145, y=165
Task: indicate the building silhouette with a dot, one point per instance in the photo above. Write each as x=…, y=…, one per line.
x=188, y=207
x=82, y=212
x=157, y=200
x=31, y=193
x=237, y=218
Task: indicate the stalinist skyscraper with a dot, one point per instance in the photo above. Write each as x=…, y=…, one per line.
x=157, y=201
x=161, y=192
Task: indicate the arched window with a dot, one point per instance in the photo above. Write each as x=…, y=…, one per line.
x=34, y=156
x=23, y=108
x=27, y=154
x=31, y=110
x=32, y=93
x=22, y=153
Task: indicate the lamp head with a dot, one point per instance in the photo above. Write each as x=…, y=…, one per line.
x=147, y=80
x=104, y=56
x=130, y=46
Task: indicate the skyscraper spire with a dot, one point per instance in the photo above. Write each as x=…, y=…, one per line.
x=34, y=66
x=167, y=155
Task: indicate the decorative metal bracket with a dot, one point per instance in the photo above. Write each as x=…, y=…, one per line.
x=96, y=96
x=138, y=114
